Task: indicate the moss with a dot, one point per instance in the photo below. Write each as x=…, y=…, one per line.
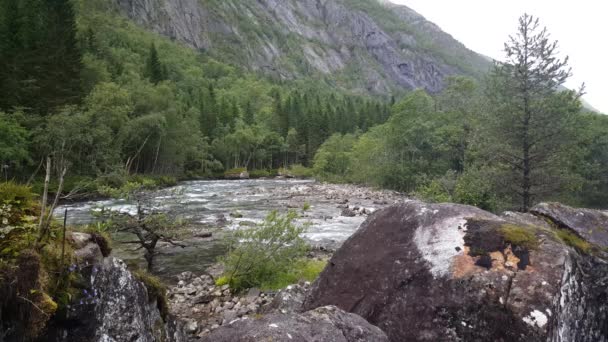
x=156, y=290
x=523, y=236
x=573, y=240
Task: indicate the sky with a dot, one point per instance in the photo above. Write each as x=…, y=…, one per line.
x=579, y=26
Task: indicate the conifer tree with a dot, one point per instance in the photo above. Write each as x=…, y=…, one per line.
x=531, y=119
x=154, y=68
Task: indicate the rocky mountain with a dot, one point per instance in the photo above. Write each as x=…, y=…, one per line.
x=369, y=46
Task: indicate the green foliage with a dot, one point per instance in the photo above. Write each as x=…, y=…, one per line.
x=523, y=236
x=13, y=143
x=573, y=240
x=434, y=192
x=531, y=125
x=259, y=174
x=306, y=206
x=297, y=171
x=332, y=161
x=258, y=255
x=301, y=270
x=17, y=205
x=234, y=173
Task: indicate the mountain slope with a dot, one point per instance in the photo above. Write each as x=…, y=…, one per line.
x=363, y=45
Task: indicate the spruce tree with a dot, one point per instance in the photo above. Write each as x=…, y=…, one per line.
x=154, y=68
x=531, y=119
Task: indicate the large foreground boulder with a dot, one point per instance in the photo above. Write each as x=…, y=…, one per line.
x=325, y=324
x=114, y=306
x=448, y=272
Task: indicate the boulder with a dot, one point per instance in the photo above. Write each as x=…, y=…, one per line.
x=289, y=299
x=327, y=324
x=115, y=307
x=590, y=224
x=449, y=272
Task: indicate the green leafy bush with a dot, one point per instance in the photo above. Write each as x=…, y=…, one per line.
x=433, y=191
x=262, y=254
x=234, y=173
x=301, y=270
x=259, y=174
x=297, y=171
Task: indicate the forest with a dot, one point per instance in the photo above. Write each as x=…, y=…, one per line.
x=107, y=101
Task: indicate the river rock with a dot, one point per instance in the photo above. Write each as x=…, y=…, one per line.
x=348, y=212
x=327, y=324
x=446, y=272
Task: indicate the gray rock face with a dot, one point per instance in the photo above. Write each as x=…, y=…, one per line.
x=327, y=324
x=592, y=225
x=115, y=307
x=447, y=272
x=390, y=46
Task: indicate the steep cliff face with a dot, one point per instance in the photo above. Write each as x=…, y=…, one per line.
x=362, y=45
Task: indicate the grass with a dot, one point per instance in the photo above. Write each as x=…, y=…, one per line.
x=572, y=240
x=523, y=236
x=303, y=270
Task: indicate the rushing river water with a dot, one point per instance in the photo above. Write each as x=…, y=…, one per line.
x=202, y=203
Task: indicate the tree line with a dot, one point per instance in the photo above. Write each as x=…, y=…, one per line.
x=508, y=142
x=103, y=96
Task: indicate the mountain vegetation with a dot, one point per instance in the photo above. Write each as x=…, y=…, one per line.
x=107, y=99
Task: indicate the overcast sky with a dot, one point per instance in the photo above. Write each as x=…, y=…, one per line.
x=579, y=26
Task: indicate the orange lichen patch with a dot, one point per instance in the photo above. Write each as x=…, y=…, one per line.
x=512, y=260
x=498, y=260
x=464, y=265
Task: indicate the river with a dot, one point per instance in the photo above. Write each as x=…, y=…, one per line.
x=203, y=204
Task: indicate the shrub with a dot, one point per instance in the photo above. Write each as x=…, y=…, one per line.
x=16, y=202
x=261, y=254
x=520, y=235
x=259, y=174
x=433, y=191
x=297, y=171
x=234, y=173
x=301, y=270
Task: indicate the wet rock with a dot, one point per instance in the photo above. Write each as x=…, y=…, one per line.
x=448, y=272
x=322, y=324
x=204, y=235
x=347, y=212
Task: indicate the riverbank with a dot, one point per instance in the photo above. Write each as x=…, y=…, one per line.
x=215, y=208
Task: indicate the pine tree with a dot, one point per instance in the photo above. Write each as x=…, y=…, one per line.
x=531, y=120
